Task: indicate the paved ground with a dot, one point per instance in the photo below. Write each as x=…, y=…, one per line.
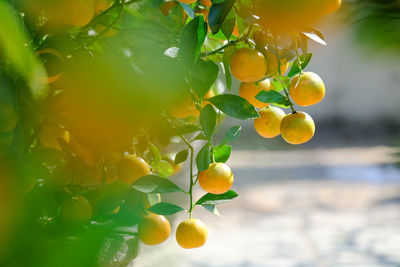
x=316, y=207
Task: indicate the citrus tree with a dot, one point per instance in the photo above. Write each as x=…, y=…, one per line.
x=101, y=101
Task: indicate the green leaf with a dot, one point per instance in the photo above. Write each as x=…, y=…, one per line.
x=111, y=196
x=208, y=120
x=315, y=35
x=212, y=209
x=229, y=24
x=200, y=136
x=187, y=9
x=295, y=69
x=164, y=208
x=231, y=135
x=203, y=158
x=181, y=156
x=193, y=37
x=273, y=97
x=156, y=153
x=213, y=199
x=218, y=13
x=202, y=76
x=17, y=54
x=222, y=153
x=228, y=52
x=185, y=129
x=163, y=168
x=234, y=106
x=155, y=184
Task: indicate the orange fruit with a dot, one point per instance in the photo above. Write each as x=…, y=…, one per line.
x=206, y=3
x=248, y=65
x=297, y=128
x=272, y=65
x=307, y=89
x=217, y=179
x=132, y=167
x=50, y=135
x=269, y=122
x=154, y=229
x=76, y=211
x=249, y=91
x=191, y=233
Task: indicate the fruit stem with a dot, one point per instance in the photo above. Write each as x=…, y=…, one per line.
x=230, y=43
x=190, y=173
x=280, y=74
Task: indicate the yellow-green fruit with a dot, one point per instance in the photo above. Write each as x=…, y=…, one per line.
x=297, y=128
x=76, y=211
x=248, y=65
x=8, y=117
x=154, y=229
x=307, y=89
x=191, y=233
x=132, y=167
x=249, y=91
x=269, y=123
x=50, y=136
x=217, y=179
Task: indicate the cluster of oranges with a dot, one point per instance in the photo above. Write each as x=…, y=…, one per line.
x=192, y=233
x=250, y=67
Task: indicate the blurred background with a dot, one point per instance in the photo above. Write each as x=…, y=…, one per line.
x=336, y=200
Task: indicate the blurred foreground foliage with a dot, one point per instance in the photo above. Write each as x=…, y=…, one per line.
x=95, y=95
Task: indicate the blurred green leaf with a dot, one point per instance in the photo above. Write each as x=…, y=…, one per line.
x=203, y=75
x=181, y=156
x=186, y=129
x=234, y=106
x=164, y=208
x=213, y=199
x=272, y=97
x=295, y=69
x=229, y=24
x=218, y=12
x=187, y=9
x=231, y=135
x=156, y=153
x=212, y=209
x=17, y=54
x=315, y=35
x=163, y=168
x=208, y=120
x=203, y=158
x=222, y=153
x=155, y=184
x=228, y=52
x=192, y=39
